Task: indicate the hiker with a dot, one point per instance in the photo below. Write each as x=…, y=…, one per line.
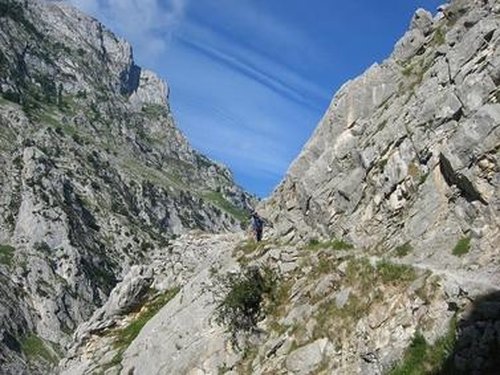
x=257, y=225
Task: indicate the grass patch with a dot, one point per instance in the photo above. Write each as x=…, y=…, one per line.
x=278, y=298
x=462, y=247
x=333, y=244
x=249, y=246
x=218, y=200
x=145, y=173
x=439, y=37
x=422, y=358
x=6, y=254
x=35, y=349
x=154, y=110
x=390, y=272
x=337, y=323
x=407, y=71
x=403, y=250
x=124, y=336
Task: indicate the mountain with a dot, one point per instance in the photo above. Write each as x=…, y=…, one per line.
x=382, y=257
x=95, y=176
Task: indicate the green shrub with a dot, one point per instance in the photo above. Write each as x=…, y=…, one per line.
x=407, y=71
x=313, y=243
x=340, y=245
x=422, y=358
x=241, y=297
x=462, y=247
x=403, y=250
x=6, y=254
x=12, y=96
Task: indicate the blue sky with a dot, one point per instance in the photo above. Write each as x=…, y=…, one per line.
x=250, y=79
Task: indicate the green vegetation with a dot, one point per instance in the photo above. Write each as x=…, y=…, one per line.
x=439, y=37
x=278, y=298
x=462, y=247
x=11, y=96
x=361, y=274
x=414, y=73
x=154, y=110
x=6, y=254
x=34, y=348
x=249, y=246
x=422, y=178
x=382, y=163
x=142, y=172
x=367, y=284
x=334, y=322
x=390, y=272
x=403, y=250
x=333, y=244
x=407, y=71
x=241, y=299
x=422, y=358
x=124, y=336
x=218, y=199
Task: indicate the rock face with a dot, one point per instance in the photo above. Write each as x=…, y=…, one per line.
x=95, y=176
x=408, y=152
x=386, y=227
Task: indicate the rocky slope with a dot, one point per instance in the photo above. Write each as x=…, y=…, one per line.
x=95, y=176
x=408, y=152
x=384, y=253
x=385, y=239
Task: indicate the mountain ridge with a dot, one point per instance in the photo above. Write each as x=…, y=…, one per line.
x=383, y=252
x=95, y=176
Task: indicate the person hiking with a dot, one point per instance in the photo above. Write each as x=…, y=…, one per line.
x=257, y=225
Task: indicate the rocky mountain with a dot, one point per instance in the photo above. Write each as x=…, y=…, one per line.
x=383, y=256
x=408, y=152
x=382, y=259
x=95, y=176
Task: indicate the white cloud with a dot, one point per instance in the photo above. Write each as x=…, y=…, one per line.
x=147, y=24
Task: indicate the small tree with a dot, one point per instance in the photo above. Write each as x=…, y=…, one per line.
x=240, y=299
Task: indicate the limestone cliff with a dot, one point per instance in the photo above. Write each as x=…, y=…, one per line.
x=384, y=251
x=385, y=239
x=95, y=176
x=408, y=152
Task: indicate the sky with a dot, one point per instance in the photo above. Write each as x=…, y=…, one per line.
x=250, y=79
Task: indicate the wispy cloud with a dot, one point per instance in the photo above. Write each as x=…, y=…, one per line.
x=148, y=24
x=240, y=88
x=254, y=65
